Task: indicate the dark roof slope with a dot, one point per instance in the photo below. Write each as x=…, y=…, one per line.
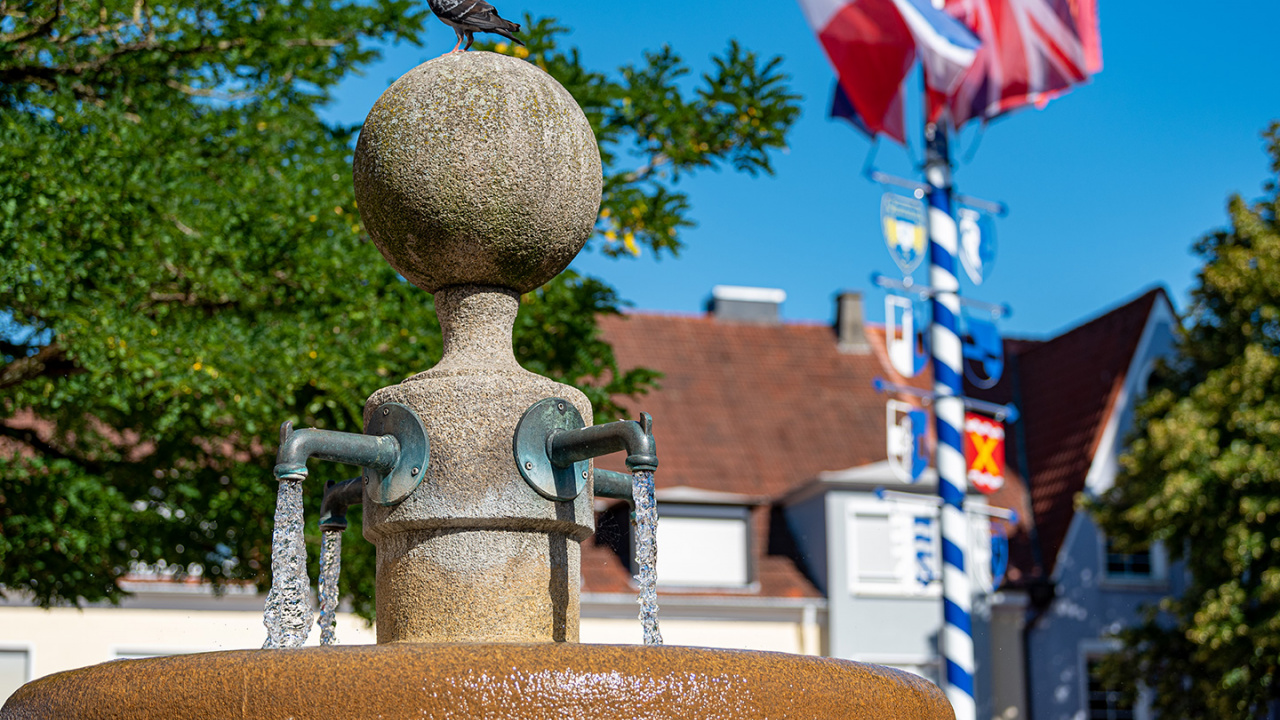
x=1069, y=388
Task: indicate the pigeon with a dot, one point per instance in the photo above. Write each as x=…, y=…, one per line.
x=468, y=17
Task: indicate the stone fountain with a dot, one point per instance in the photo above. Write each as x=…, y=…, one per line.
x=479, y=178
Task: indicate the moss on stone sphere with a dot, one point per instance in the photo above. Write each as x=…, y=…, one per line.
x=477, y=168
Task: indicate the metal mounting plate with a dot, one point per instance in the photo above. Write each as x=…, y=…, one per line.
x=406, y=427
x=530, y=447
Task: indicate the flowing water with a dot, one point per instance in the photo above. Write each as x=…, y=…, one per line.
x=647, y=553
x=288, y=612
x=330, y=567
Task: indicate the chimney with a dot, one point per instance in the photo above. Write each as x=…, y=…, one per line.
x=760, y=306
x=851, y=330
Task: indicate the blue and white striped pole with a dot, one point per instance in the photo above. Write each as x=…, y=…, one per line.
x=948, y=408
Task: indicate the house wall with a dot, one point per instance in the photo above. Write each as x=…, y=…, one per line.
x=1088, y=607
x=1006, y=614
x=807, y=521
x=896, y=629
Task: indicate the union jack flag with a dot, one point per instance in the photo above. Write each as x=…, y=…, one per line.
x=1031, y=52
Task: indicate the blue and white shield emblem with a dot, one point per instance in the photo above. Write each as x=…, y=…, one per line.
x=903, y=221
x=906, y=348
x=906, y=426
x=977, y=243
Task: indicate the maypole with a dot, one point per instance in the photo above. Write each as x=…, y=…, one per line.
x=948, y=412
x=972, y=69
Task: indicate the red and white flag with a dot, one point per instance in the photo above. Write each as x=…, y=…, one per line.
x=873, y=44
x=1032, y=51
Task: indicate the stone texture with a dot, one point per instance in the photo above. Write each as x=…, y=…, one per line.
x=498, y=682
x=475, y=554
x=477, y=168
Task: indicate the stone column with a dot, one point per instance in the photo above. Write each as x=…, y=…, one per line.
x=478, y=177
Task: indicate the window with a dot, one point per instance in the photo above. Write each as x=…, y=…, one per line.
x=893, y=548
x=703, y=546
x=1104, y=704
x=1128, y=565
x=14, y=672
x=1144, y=569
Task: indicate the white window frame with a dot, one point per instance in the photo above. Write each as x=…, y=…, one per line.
x=901, y=517
x=1158, y=579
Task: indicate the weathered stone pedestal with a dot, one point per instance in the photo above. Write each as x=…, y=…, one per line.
x=478, y=178
x=474, y=554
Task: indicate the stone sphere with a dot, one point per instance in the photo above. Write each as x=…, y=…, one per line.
x=478, y=169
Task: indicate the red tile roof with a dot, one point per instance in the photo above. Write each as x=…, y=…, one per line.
x=753, y=409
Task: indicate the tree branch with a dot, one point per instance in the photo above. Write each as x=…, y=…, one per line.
x=44, y=27
x=51, y=359
x=313, y=42
x=200, y=92
x=30, y=438
x=644, y=171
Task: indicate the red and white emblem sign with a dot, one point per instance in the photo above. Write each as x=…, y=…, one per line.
x=984, y=452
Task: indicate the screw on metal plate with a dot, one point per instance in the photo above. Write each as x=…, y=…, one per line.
x=415, y=452
x=530, y=446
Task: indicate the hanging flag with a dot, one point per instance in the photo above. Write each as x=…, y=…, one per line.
x=906, y=353
x=903, y=221
x=983, y=351
x=947, y=48
x=1032, y=51
x=873, y=43
x=872, y=49
x=905, y=434
x=842, y=108
x=984, y=452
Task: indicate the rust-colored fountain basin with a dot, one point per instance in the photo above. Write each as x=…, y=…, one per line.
x=543, y=681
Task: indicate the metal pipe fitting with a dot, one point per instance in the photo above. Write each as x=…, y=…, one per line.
x=613, y=485
x=298, y=446
x=394, y=450
x=566, y=447
x=552, y=447
x=338, y=498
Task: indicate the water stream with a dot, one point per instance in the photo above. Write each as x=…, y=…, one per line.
x=288, y=612
x=330, y=568
x=647, y=553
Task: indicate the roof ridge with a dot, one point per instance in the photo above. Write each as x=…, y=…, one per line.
x=1147, y=297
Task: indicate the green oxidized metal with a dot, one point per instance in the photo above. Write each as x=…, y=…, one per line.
x=532, y=444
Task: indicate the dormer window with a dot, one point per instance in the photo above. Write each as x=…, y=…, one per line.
x=703, y=546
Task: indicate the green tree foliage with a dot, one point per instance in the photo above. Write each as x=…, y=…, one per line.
x=182, y=265
x=1203, y=477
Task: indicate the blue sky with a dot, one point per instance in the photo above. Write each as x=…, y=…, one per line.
x=1108, y=187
